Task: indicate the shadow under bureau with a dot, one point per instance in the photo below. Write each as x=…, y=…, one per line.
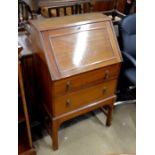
x=77, y=63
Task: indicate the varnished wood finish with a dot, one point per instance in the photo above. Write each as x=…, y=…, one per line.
x=78, y=62
x=71, y=84
x=24, y=100
x=23, y=148
x=68, y=21
x=75, y=100
x=57, y=121
x=102, y=5
x=105, y=5
x=65, y=60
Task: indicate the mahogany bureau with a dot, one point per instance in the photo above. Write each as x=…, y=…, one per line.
x=77, y=61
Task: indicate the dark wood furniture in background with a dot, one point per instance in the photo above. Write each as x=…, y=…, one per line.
x=65, y=7
x=77, y=62
x=55, y=8
x=113, y=8
x=98, y=5
x=24, y=14
x=106, y=5
x=77, y=6
x=117, y=9
x=24, y=134
x=33, y=4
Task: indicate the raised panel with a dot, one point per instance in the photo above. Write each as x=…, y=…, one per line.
x=81, y=49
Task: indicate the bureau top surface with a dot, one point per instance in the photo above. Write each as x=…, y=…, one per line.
x=57, y=22
x=80, y=47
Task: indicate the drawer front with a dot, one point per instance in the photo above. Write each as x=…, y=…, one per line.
x=84, y=80
x=83, y=97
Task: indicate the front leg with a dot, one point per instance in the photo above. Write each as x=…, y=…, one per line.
x=55, y=128
x=109, y=115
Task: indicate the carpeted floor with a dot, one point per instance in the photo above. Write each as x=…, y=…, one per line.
x=88, y=135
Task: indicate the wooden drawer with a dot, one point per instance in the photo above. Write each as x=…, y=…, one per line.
x=83, y=97
x=81, y=81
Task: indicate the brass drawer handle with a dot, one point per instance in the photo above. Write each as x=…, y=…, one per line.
x=104, y=91
x=107, y=75
x=68, y=103
x=68, y=85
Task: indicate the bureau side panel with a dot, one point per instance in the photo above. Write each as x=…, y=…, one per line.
x=42, y=75
x=44, y=83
